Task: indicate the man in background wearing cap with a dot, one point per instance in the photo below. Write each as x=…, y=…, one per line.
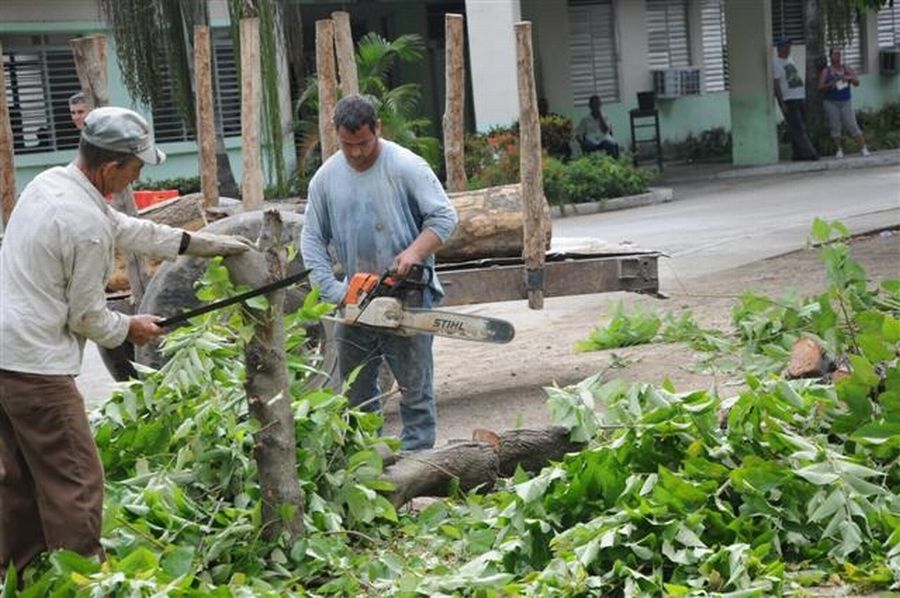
x=54, y=262
x=791, y=95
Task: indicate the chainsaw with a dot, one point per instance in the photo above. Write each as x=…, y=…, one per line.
x=393, y=304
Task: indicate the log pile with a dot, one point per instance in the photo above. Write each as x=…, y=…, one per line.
x=475, y=463
x=490, y=225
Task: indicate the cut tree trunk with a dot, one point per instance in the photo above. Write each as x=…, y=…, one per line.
x=809, y=360
x=268, y=395
x=251, y=95
x=465, y=466
x=490, y=225
x=7, y=162
x=454, y=122
x=327, y=79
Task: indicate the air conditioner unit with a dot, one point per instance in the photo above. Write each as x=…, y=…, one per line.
x=676, y=82
x=889, y=60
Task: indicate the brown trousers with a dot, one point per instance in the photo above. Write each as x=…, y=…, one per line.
x=51, y=479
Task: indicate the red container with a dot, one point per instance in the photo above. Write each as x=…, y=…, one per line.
x=145, y=199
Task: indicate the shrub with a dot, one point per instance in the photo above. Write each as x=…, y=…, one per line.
x=556, y=132
x=190, y=184
x=595, y=177
x=881, y=128
x=712, y=144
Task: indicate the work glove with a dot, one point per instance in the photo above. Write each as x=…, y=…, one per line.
x=211, y=245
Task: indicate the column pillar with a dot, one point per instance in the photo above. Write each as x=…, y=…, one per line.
x=492, y=53
x=753, y=108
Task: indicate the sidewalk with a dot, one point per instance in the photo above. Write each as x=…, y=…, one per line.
x=675, y=174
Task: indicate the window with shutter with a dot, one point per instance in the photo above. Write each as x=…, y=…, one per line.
x=889, y=26
x=40, y=77
x=851, y=51
x=592, y=50
x=667, y=34
x=168, y=124
x=715, y=47
x=788, y=20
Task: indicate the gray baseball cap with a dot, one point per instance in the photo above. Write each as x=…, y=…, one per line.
x=121, y=130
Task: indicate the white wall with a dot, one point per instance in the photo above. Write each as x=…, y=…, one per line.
x=492, y=50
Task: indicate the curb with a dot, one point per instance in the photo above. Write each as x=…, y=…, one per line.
x=655, y=195
x=877, y=159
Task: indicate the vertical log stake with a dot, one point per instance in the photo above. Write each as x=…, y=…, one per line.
x=251, y=86
x=7, y=157
x=206, y=128
x=327, y=86
x=535, y=217
x=90, y=64
x=346, y=58
x=455, y=75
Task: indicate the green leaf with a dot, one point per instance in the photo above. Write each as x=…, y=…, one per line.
x=259, y=302
x=821, y=230
x=820, y=474
x=67, y=562
x=178, y=562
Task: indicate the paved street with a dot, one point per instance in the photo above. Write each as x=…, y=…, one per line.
x=707, y=228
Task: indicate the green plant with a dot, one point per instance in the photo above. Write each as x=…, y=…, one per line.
x=624, y=330
x=596, y=176
x=376, y=58
x=710, y=145
x=185, y=185
x=492, y=159
x=556, y=133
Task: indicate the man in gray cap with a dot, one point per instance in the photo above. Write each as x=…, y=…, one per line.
x=54, y=262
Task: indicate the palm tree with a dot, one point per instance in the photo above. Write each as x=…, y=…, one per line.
x=375, y=59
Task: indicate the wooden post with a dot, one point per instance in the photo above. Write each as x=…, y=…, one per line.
x=90, y=64
x=536, y=221
x=268, y=393
x=206, y=128
x=251, y=86
x=327, y=85
x=7, y=157
x=455, y=77
x=346, y=57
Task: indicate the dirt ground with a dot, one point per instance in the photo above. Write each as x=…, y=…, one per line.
x=500, y=386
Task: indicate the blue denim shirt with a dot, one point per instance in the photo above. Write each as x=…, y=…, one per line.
x=369, y=217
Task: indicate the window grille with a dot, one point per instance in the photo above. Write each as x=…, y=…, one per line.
x=851, y=51
x=788, y=20
x=668, y=44
x=889, y=26
x=168, y=123
x=40, y=77
x=592, y=51
x=715, y=46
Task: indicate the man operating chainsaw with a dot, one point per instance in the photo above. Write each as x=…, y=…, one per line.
x=54, y=262
x=382, y=208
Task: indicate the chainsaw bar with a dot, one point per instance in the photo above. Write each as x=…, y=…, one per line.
x=453, y=325
x=388, y=315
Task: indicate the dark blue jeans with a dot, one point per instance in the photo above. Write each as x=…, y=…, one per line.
x=412, y=364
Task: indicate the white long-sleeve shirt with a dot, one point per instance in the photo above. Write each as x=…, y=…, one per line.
x=56, y=256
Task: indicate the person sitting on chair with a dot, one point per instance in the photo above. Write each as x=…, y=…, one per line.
x=594, y=133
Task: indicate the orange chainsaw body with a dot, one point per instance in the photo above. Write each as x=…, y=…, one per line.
x=362, y=284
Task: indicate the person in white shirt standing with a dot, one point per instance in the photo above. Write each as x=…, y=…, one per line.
x=56, y=256
x=791, y=95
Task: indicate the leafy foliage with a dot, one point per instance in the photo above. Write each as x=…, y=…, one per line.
x=376, y=59
x=789, y=484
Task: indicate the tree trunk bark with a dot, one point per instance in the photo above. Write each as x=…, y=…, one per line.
x=454, y=129
x=327, y=86
x=490, y=225
x=815, y=59
x=473, y=464
x=536, y=221
x=251, y=86
x=7, y=159
x=206, y=126
x=346, y=57
x=267, y=389
x=90, y=64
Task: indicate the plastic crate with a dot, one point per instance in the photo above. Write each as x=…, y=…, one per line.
x=145, y=199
